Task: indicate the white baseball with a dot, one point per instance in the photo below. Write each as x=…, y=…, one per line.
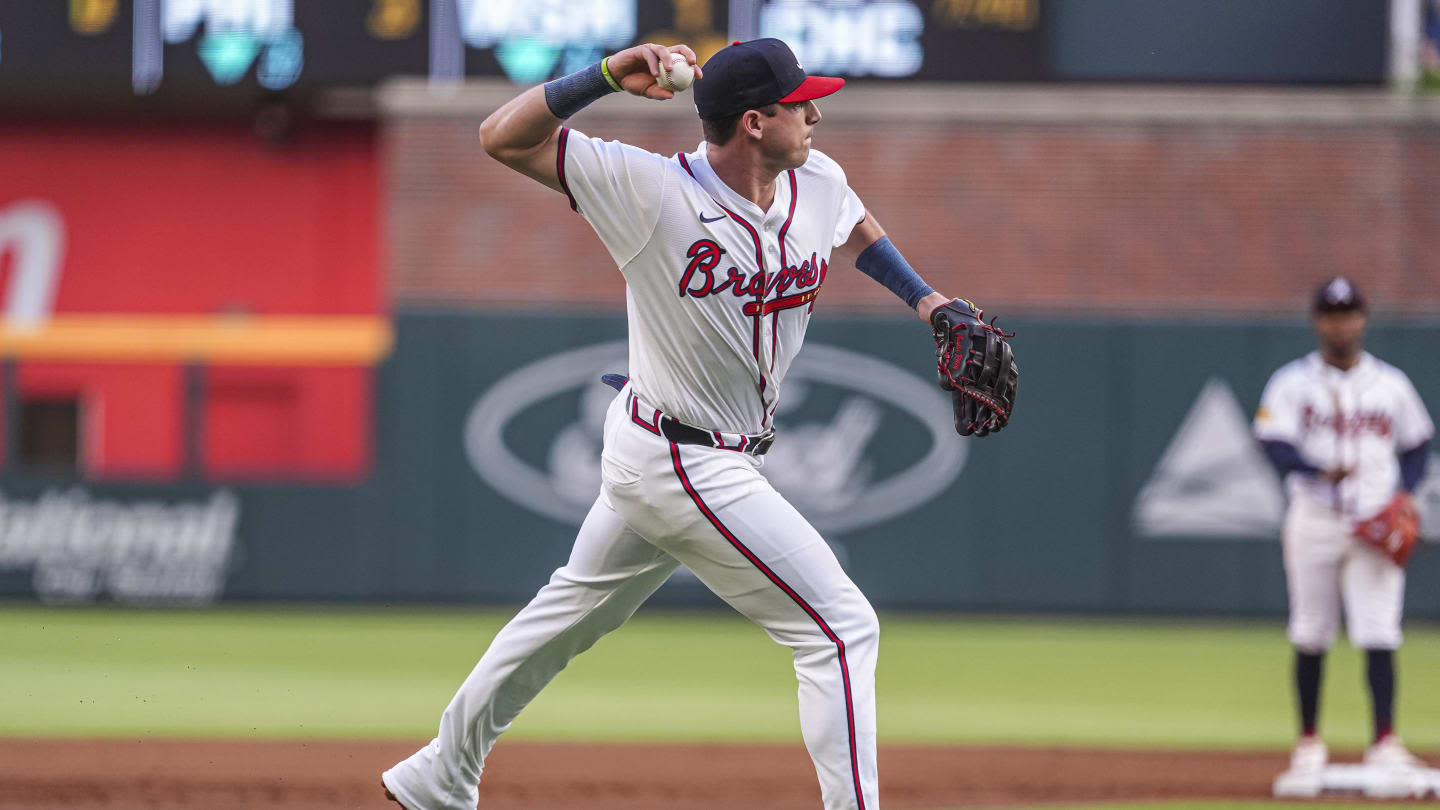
x=676, y=76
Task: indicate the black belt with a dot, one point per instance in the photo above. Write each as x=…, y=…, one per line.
x=680, y=433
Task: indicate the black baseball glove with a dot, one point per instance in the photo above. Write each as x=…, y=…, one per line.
x=976, y=366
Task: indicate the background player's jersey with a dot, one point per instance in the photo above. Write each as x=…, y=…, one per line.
x=1358, y=419
x=719, y=292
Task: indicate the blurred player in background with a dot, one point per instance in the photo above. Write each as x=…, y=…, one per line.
x=1351, y=435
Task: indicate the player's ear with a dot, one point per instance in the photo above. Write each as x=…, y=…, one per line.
x=751, y=124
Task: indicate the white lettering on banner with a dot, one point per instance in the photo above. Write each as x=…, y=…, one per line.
x=264, y=19
x=486, y=23
x=1214, y=481
x=237, y=33
x=34, y=232
x=849, y=37
x=821, y=466
x=81, y=548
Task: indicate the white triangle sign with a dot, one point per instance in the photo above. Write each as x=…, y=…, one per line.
x=1213, y=480
x=1427, y=500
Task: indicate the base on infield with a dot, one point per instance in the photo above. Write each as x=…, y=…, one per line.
x=1354, y=779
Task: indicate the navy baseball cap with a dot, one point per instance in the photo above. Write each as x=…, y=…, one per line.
x=747, y=75
x=1339, y=294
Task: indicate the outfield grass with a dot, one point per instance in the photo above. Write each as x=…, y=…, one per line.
x=692, y=676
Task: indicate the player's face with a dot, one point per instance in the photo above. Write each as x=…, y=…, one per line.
x=1340, y=333
x=787, y=135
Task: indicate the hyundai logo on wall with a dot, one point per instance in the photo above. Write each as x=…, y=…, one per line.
x=822, y=462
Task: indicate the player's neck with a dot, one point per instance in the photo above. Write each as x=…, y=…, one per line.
x=1341, y=360
x=744, y=175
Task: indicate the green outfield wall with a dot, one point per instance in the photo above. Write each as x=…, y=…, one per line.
x=1127, y=482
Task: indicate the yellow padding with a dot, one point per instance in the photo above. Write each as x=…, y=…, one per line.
x=216, y=339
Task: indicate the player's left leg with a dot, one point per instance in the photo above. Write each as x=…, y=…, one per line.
x=1374, y=589
x=760, y=555
x=1374, y=595
x=809, y=604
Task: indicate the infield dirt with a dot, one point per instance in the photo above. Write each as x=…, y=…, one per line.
x=318, y=775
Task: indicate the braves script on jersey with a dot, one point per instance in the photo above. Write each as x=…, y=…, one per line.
x=718, y=292
x=1357, y=419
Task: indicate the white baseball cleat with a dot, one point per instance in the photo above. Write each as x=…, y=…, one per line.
x=1395, y=773
x=1306, y=774
x=1391, y=753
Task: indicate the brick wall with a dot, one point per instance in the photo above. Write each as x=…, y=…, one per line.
x=1205, y=202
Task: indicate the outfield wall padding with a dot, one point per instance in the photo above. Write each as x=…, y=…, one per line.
x=1126, y=484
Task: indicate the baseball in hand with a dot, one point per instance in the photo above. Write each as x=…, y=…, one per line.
x=677, y=75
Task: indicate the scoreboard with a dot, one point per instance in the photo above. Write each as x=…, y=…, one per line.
x=78, y=54
x=83, y=55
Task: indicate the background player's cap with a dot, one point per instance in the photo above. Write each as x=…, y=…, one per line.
x=747, y=75
x=1339, y=294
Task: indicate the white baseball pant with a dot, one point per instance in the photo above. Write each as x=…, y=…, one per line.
x=662, y=504
x=1325, y=568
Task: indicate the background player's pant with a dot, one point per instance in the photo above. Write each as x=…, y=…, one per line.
x=1326, y=568
x=660, y=505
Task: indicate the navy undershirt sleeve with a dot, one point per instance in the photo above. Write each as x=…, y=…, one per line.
x=1287, y=458
x=882, y=261
x=1412, y=466
x=570, y=94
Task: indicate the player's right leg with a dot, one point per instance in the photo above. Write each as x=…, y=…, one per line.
x=611, y=571
x=1314, y=546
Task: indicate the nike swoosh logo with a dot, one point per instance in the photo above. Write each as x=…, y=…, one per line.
x=712, y=219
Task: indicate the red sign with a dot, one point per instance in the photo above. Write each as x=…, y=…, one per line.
x=128, y=252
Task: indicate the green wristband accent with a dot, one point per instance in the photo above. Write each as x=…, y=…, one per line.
x=610, y=80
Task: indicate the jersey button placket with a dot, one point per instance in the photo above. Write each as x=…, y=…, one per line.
x=772, y=266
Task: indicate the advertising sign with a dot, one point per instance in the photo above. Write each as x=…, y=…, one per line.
x=940, y=40
x=843, y=407
x=1126, y=483
x=79, y=547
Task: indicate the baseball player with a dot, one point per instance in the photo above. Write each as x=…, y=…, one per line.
x=1351, y=436
x=723, y=250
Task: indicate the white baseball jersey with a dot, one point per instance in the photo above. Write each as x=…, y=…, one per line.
x=1357, y=419
x=718, y=292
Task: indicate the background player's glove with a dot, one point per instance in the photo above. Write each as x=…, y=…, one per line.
x=1393, y=530
x=976, y=366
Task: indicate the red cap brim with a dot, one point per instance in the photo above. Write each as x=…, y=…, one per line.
x=814, y=87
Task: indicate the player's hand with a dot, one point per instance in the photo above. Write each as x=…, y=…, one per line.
x=1336, y=475
x=637, y=69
